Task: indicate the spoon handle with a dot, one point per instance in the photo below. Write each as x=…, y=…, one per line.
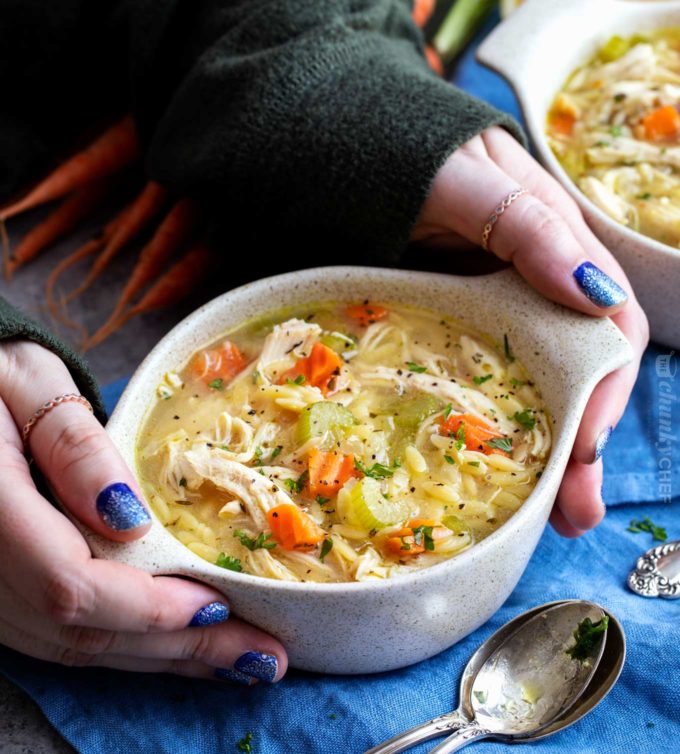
x=657, y=572
x=464, y=735
x=439, y=726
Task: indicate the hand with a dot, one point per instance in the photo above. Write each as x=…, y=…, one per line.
x=546, y=238
x=57, y=602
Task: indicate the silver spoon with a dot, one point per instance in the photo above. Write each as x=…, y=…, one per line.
x=657, y=572
x=595, y=681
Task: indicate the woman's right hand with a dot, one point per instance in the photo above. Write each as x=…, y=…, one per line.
x=57, y=602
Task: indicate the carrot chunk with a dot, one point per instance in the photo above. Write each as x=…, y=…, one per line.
x=293, y=529
x=663, y=123
x=218, y=364
x=405, y=542
x=422, y=11
x=477, y=432
x=317, y=369
x=366, y=314
x=562, y=123
x=328, y=472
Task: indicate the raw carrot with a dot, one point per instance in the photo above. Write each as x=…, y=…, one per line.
x=365, y=314
x=84, y=251
x=173, y=286
x=115, y=149
x=477, y=432
x=422, y=11
x=404, y=542
x=222, y=363
x=434, y=60
x=137, y=216
x=318, y=369
x=58, y=224
x=328, y=472
x=662, y=123
x=293, y=529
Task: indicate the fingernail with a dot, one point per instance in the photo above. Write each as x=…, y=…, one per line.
x=120, y=509
x=598, y=286
x=258, y=665
x=226, y=674
x=601, y=442
x=215, y=612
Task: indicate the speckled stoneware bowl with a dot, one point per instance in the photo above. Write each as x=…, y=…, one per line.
x=536, y=49
x=379, y=625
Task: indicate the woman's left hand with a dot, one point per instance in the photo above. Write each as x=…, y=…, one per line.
x=544, y=235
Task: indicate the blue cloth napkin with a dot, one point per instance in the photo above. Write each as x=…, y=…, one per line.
x=108, y=712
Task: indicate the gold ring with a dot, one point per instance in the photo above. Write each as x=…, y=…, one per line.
x=500, y=209
x=48, y=406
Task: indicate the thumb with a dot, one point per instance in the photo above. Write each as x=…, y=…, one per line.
x=72, y=449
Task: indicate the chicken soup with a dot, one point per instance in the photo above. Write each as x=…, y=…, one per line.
x=342, y=442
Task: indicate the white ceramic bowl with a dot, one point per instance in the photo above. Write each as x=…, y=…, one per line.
x=536, y=49
x=374, y=626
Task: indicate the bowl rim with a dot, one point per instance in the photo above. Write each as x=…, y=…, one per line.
x=536, y=123
x=578, y=398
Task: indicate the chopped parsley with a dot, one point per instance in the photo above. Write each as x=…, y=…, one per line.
x=506, y=349
x=619, y=97
x=255, y=377
x=299, y=380
x=297, y=485
x=322, y=500
x=644, y=196
x=275, y=452
x=326, y=547
x=377, y=471
x=229, y=562
x=501, y=443
x=525, y=418
x=216, y=384
x=259, y=543
x=473, y=463
x=447, y=410
x=448, y=459
x=482, y=380
x=601, y=143
x=615, y=131
x=517, y=383
x=460, y=437
x=258, y=456
x=413, y=367
x=480, y=696
x=658, y=532
x=245, y=744
x=422, y=536
x=332, y=716
x=587, y=635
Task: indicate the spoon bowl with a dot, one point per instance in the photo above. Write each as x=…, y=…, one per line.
x=598, y=681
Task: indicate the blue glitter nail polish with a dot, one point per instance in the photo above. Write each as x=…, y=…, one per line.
x=226, y=674
x=601, y=442
x=258, y=665
x=598, y=286
x=120, y=509
x=215, y=612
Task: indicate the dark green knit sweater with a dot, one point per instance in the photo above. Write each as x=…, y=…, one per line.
x=305, y=121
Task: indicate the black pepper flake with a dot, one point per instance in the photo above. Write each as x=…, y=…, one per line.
x=175, y=417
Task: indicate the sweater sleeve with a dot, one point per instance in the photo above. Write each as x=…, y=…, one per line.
x=301, y=118
x=14, y=324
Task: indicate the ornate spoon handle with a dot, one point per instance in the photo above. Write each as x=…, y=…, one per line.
x=439, y=726
x=466, y=734
x=657, y=572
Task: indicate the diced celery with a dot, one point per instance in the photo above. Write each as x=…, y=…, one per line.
x=410, y=412
x=615, y=48
x=457, y=525
x=324, y=417
x=338, y=342
x=368, y=508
